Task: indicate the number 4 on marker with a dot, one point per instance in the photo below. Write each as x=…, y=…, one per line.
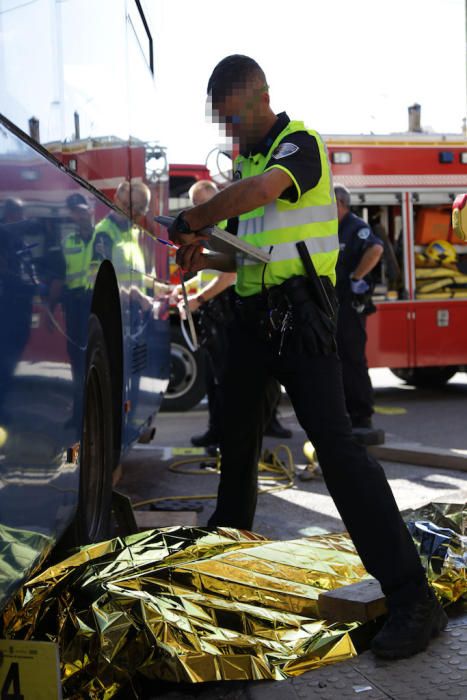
x=12, y=679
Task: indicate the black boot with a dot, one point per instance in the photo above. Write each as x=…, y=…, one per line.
x=275, y=429
x=206, y=439
x=409, y=628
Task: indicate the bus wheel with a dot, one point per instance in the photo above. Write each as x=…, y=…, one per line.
x=93, y=518
x=425, y=377
x=187, y=385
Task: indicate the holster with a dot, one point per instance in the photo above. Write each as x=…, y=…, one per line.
x=313, y=330
x=310, y=329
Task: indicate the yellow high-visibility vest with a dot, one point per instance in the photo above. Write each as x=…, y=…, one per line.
x=276, y=227
x=77, y=254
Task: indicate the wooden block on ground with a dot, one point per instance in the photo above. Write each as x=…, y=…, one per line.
x=359, y=602
x=153, y=519
x=425, y=456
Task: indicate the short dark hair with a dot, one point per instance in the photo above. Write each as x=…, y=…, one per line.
x=233, y=71
x=76, y=201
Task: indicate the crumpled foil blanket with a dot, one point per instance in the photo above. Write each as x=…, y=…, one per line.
x=192, y=605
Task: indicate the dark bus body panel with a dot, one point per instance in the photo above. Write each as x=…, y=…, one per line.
x=45, y=303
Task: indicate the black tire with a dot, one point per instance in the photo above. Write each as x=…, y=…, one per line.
x=425, y=377
x=187, y=383
x=92, y=521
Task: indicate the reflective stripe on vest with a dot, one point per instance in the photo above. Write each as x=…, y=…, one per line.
x=280, y=224
x=122, y=240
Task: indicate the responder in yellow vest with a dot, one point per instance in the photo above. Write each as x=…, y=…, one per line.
x=77, y=247
x=213, y=322
x=117, y=238
x=117, y=231
x=285, y=326
x=77, y=251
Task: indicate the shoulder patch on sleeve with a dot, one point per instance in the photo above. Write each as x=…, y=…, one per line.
x=364, y=233
x=285, y=149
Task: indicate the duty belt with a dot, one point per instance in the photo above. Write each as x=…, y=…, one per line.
x=289, y=309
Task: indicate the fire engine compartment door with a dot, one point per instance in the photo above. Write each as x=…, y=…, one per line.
x=390, y=336
x=440, y=333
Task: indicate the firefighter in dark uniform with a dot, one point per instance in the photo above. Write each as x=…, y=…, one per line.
x=284, y=326
x=360, y=252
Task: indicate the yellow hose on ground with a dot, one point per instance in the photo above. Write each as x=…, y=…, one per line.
x=282, y=471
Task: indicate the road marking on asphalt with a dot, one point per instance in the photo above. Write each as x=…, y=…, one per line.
x=390, y=410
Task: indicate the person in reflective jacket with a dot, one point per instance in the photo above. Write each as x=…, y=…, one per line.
x=284, y=195
x=214, y=318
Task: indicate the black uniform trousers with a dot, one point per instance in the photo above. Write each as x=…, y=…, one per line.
x=355, y=481
x=351, y=344
x=213, y=332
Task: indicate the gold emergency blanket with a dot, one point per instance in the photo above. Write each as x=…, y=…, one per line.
x=440, y=533
x=187, y=604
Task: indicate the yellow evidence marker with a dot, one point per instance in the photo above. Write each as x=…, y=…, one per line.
x=29, y=670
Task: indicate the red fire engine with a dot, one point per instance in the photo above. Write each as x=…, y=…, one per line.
x=404, y=185
x=407, y=184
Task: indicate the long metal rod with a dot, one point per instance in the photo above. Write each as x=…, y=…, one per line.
x=189, y=315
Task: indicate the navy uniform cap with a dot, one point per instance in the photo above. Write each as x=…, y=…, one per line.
x=76, y=201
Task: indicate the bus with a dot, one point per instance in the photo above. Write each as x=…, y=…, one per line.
x=84, y=303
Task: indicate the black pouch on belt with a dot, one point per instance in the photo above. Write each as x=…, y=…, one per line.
x=253, y=313
x=314, y=330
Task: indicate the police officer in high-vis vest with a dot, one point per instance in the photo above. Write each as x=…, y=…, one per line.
x=285, y=326
x=360, y=252
x=77, y=251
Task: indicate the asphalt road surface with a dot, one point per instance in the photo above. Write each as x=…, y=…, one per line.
x=432, y=418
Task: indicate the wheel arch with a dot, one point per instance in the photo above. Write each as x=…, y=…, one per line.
x=106, y=305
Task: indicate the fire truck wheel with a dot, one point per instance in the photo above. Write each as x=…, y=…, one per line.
x=93, y=517
x=187, y=384
x=425, y=377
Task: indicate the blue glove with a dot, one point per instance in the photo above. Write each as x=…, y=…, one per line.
x=359, y=286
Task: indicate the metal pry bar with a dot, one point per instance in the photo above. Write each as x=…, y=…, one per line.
x=189, y=315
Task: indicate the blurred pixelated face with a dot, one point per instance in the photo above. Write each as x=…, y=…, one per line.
x=239, y=114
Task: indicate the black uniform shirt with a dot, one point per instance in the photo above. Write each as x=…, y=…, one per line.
x=355, y=236
x=297, y=153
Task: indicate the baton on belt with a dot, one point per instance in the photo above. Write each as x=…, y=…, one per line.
x=317, y=286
